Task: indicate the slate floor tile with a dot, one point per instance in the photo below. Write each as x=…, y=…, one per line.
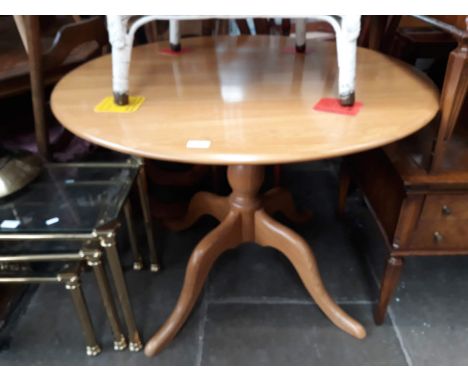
x=430, y=308
x=293, y=334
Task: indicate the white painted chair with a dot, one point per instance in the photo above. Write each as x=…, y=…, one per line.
x=346, y=27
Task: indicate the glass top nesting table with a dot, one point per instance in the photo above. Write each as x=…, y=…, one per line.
x=82, y=202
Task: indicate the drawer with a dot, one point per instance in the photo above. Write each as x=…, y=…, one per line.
x=445, y=207
x=440, y=235
x=443, y=223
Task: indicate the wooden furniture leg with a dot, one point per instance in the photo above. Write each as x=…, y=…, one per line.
x=227, y=235
x=268, y=232
x=390, y=280
x=343, y=188
x=202, y=203
x=245, y=220
x=37, y=85
x=280, y=200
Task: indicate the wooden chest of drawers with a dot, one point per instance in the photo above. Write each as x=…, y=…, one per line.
x=443, y=223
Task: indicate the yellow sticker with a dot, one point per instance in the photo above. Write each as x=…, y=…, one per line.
x=107, y=105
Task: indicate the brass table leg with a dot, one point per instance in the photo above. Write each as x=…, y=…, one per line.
x=137, y=259
x=107, y=241
x=94, y=260
x=244, y=219
x=72, y=283
x=145, y=206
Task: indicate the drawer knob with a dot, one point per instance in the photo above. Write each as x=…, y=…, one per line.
x=438, y=237
x=446, y=210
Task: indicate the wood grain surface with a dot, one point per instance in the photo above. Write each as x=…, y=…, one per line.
x=249, y=98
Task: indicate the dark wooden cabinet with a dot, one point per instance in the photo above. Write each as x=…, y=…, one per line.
x=417, y=188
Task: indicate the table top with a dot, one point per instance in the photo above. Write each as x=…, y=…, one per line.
x=245, y=100
x=67, y=199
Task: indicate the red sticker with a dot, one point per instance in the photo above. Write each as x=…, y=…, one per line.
x=332, y=105
x=170, y=52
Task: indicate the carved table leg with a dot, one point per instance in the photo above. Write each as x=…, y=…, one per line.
x=227, y=235
x=202, y=203
x=268, y=232
x=245, y=220
x=280, y=200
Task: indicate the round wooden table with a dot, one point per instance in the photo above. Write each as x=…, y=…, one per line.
x=245, y=102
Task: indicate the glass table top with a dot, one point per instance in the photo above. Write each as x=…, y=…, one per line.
x=68, y=199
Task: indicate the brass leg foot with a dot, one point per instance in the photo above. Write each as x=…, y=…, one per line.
x=93, y=351
x=73, y=284
x=120, y=344
x=268, y=232
x=225, y=236
x=202, y=203
x=155, y=268
x=135, y=346
x=137, y=266
x=280, y=200
x=94, y=260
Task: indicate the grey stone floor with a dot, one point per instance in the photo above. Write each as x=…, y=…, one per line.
x=254, y=309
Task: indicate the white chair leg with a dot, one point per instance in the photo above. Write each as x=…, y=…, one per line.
x=174, y=35
x=121, y=43
x=346, y=42
x=300, y=35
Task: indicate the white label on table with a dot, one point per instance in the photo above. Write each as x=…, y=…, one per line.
x=10, y=224
x=198, y=144
x=52, y=221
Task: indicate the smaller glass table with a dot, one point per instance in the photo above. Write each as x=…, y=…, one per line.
x=82, y=202
x=69, y=199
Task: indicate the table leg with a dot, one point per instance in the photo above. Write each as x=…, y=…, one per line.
x=94, y=260
x=280, y=200
x=107, y=240
x=247, y=221
x=145, y=206
x=137, y=259
x=227, y=235
x=72, y=283
x=269, y=232
x=202, y=203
